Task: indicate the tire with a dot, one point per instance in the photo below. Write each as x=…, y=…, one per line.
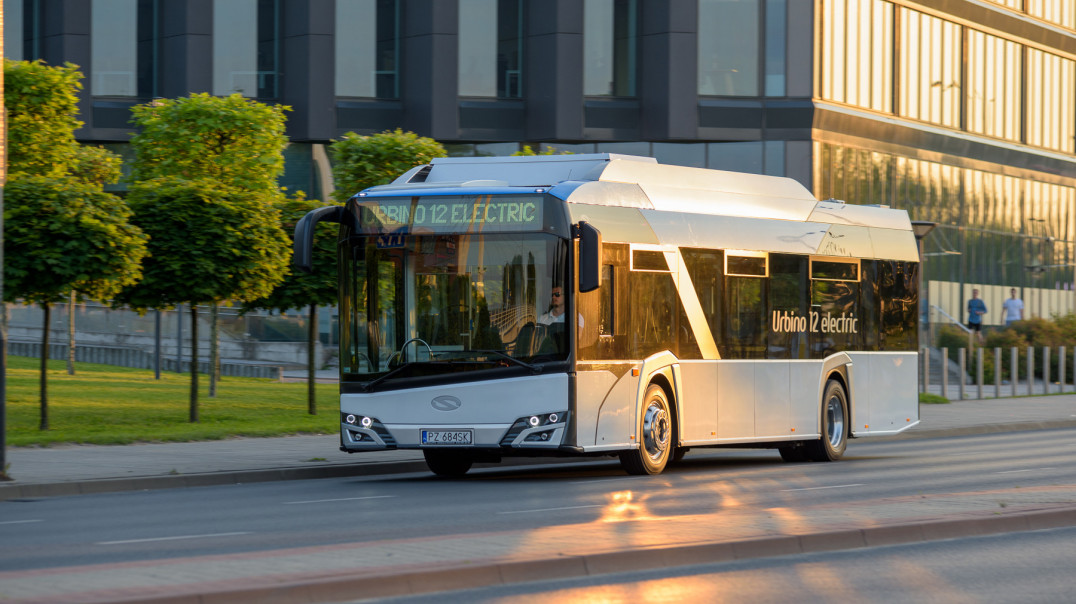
x=447, y=463
x=834, y=439
x=657, y=435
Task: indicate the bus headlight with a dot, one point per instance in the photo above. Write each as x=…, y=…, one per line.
x=554, y=418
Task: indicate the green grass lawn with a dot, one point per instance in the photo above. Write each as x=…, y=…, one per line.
x=102, y=404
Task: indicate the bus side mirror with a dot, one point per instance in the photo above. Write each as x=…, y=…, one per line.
x=590, y=257
x=303, y=253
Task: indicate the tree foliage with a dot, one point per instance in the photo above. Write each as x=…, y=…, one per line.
x=60, y=234
x=42, y=110
x=208, y=243
x=361, y=162
x=236, y=141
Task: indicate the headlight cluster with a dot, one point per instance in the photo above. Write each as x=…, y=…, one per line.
x=357, y=420
x=529, y=423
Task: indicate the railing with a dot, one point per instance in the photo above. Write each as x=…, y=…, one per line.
x=983, y=374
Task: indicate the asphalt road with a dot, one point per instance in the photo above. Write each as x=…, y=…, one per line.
x=1029, y=567
x=876, y=479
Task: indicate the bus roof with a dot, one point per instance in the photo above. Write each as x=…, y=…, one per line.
x=743, y=207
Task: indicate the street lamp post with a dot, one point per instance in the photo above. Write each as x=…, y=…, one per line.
x=922, y=228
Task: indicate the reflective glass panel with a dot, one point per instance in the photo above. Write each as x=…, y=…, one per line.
x=729, y=50
x=857, y=53
x=114, y=41
x=930, y=63
x=609, y=47
x=994, y=86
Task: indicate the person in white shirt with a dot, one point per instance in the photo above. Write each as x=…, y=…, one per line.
x=1012, y=309
x=556, y=309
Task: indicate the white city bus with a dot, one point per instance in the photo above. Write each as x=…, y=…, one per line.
x=693, y=308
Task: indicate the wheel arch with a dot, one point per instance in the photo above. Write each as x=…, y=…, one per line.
x=663, y=369
x=838, y=367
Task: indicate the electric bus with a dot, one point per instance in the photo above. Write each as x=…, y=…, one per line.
x=609, y=305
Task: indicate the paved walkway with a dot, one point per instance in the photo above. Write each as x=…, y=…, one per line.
x=346, y=572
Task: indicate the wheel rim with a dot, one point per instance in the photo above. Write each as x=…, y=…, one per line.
x=656, y=430
x=835, y=421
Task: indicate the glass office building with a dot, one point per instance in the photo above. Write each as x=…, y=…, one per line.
x=963, y=112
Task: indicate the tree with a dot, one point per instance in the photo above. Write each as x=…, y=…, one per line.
x=365, y=161
x=207, y=244
x=319, y=287
x=235, y=141
x=42, y=105
x=63, y=235
x=95, y=166
x=225, y=150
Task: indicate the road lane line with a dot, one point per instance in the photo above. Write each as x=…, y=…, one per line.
x=571, y=507
x=175, y=538
x=343, y=499
x=19, y=521
x=836, y=486
x=1019, y=471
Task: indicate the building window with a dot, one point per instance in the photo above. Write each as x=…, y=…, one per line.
x=1061, y=12
x=17, y=28
x=1050, y=101
x=246, y=47
x=367, y=44
x=728, y=48
x=995, y=76
x=124, y=46
x=857, y=53
x=490, y=48
x=610, y=37
x=776, y=40
x=929, y=78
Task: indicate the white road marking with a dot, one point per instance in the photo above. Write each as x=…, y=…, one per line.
x=19, y=521
x=343, y=499
x=572, y=507
x=175, y=538
x=1019, y=471
x=836, y=486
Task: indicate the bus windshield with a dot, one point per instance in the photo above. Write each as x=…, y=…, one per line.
x=432, y=304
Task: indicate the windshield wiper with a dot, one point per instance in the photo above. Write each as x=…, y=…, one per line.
x=535, y=369
x=367, y=386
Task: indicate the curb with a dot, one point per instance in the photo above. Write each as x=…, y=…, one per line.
x=347, y=586
x=114, y=485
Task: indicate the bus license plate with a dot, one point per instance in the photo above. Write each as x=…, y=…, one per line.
x=447, y=437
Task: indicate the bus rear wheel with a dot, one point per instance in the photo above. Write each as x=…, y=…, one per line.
x=657, y=435
x=834, y=439
x=447, y=463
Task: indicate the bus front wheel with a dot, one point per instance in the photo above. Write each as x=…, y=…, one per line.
x=447, y=463
x=657, y=435
x=834, y=440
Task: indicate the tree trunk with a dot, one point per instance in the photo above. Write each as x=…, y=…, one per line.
x=71, y=334
x=311, y=361
x=194, y=364
x=44, y=425
x=214, y=349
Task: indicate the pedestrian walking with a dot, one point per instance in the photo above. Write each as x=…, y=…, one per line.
x=976, y=310
x=1012, y=309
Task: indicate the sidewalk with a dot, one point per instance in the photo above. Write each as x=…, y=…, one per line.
x=348, y=571
x=74, y=469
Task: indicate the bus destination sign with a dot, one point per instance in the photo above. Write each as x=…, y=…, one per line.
x=457, y=214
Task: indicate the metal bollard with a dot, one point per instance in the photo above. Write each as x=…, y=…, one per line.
x=997, y=372
x=962, y=359
x=926, y=370
x=1046, y=370
x=979, y=370
x=1061, y=368
x=1030, y=370
x=1014, y=368
x=945, y=372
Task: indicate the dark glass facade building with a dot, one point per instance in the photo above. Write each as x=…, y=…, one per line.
x=963, y=112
